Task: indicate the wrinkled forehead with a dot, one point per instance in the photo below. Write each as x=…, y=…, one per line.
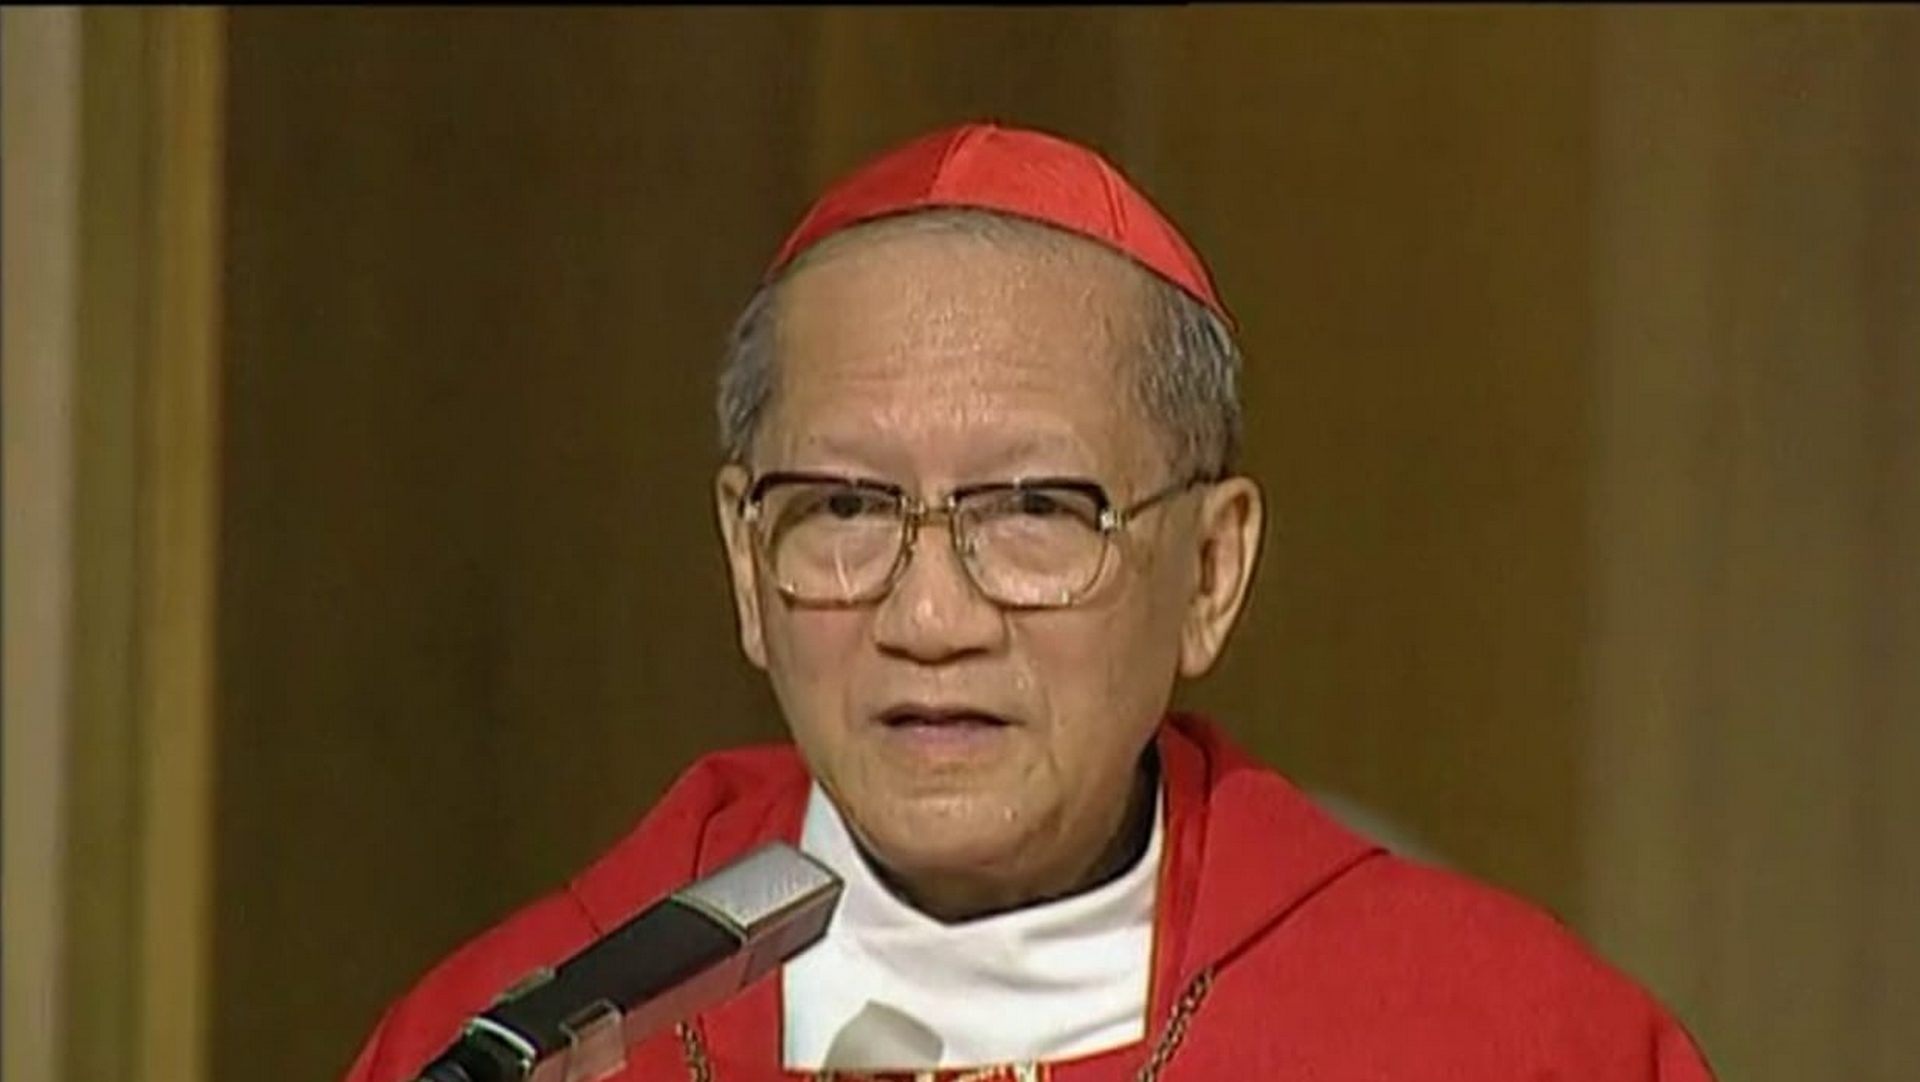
x=948, y=282
x=962, y=328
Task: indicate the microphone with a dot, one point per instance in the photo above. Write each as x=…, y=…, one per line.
x=687, y=952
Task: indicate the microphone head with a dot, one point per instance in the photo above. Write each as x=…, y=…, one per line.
x=776, y=898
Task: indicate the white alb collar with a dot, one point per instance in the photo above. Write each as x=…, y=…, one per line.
x=889, y=987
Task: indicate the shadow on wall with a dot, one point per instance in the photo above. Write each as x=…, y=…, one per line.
x=1377, y=825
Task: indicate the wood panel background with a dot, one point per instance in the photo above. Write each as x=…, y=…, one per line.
x=1582, y=375
x=40, y=67
x=1754, y=652
x=480, y=265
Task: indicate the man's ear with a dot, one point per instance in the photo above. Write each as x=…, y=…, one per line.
x=1232, y=515
x=729, y=488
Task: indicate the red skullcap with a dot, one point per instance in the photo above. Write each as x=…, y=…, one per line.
x=1014, y=171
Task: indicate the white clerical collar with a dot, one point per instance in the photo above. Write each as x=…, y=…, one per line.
x=889, y=987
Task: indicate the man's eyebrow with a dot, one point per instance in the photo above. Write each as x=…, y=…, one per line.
x=850, y=451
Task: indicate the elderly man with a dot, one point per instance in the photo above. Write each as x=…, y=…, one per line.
x=979, y=508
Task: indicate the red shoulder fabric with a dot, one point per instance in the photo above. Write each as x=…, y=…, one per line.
x=714, y=812
x=1399, y=972
x=1320, y=955
x=1331, y=959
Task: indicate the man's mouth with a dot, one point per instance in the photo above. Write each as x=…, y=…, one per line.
x=941, y=718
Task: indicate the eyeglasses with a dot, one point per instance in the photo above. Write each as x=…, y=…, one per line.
x=1029, y=544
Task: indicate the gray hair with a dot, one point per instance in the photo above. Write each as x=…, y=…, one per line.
x=1186, y=378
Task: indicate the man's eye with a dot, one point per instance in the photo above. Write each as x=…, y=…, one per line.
x=847, y=503
x=1038, y=504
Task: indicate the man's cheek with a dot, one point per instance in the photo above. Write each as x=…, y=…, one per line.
x=814, y=660
x=814, y=639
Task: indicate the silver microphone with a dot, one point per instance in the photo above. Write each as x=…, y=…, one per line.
x=689, y=951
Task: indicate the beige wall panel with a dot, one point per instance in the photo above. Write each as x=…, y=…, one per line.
x=1395, y=202
x=1756, y=661
x=478, y=272
x=102, y=1012
x=1580, y=376
x=41, y=72
x=479, y=269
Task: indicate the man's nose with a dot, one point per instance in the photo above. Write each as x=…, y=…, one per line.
x=935, y=612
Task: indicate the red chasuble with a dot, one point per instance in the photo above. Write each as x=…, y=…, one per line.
x=1286, y=947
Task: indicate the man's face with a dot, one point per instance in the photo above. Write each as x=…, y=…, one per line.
x=930, y=360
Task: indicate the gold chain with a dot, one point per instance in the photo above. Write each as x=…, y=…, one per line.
x=1176, y=1031
x=696, y=1053
x=700, y=1067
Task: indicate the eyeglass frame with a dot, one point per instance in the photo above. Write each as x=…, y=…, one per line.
x=915, y=512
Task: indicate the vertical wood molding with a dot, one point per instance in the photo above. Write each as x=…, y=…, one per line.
x=101, y=945
x=178, y=523
x=144, y=442
x=42, y=100
x=1653, y=388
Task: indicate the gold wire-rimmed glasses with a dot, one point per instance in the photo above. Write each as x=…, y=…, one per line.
x=1038, y=543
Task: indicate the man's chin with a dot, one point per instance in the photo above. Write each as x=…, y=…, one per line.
x=921, y=840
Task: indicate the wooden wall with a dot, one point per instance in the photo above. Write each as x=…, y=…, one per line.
x=1582, y=365
x=112, y=313
x=1753, y=672
x=479, y=266
x=40, y=74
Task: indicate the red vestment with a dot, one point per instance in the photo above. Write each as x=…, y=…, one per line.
x=1304, y=952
